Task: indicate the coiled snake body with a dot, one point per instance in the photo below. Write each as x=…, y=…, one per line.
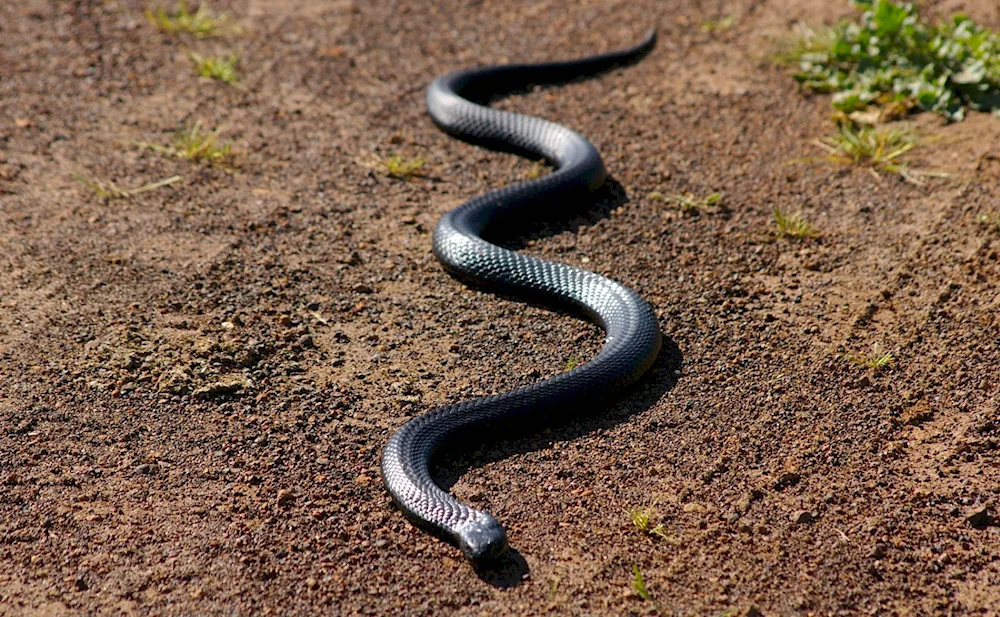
x=457, y=104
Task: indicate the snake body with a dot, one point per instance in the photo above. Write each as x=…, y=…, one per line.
x=457, y=104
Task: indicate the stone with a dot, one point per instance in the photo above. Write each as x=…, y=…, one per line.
x=802, y=517
x=286, y=497
x=980, y=518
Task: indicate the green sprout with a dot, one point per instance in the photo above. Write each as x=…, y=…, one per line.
x=877, y=360
x=689, y=203
x=203, y=23
x=221, y=68
x=793, y=225
x=642, y=519
x=639, y=585
x=398, y=166
x=193, y=144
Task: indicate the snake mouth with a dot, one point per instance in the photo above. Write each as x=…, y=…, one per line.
x=482, y=539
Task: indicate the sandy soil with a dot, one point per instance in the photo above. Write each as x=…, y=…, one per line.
x=197, y=382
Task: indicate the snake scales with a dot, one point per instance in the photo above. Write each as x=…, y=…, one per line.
x=457, y=103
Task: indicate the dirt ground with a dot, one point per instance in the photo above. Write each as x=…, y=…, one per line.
x=197, y=382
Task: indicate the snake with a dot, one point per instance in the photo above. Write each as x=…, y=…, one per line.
x=458, y=103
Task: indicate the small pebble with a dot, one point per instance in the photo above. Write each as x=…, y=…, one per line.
x=802, y=517
x=285, y=497
x=980, y=518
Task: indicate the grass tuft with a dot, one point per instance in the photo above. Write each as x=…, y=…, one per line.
x=890, y=56
x=398, y=166
x=221, y=68
x=689, y=203
x=194, y=144
x=877, y=148
x=202, y=23
x=793, y=225
x=110, y=190
x=571, y=364
x=877, y=360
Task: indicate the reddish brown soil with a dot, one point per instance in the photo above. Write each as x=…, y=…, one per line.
x=197, y=383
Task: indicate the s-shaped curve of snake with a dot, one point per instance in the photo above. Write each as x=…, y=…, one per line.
x=457, y=104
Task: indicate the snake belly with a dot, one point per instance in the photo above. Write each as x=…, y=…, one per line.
x=457, y=103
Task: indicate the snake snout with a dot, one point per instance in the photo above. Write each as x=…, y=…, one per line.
x=483, y=538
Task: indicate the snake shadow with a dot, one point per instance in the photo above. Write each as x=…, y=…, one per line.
x=457, y=458
x=517, y=232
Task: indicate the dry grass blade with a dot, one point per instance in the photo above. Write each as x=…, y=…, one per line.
x=110, y=190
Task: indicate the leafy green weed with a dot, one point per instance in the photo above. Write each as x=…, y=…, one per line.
x=890, y=56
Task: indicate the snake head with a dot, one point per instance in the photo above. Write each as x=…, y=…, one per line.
x=482, y=538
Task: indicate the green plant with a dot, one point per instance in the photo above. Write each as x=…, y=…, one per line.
x=793, y=225
x=877, y=147
x=688, y=203
x=110, y=190
x=399, y=167
x=571, y=364
x=221, y=68
x=890, y=56
x=193, y=144
x=639, y=585
x=877, y=360
x=642, y=519
x=203, y=23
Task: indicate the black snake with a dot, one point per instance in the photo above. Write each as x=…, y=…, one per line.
x=457, y=103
